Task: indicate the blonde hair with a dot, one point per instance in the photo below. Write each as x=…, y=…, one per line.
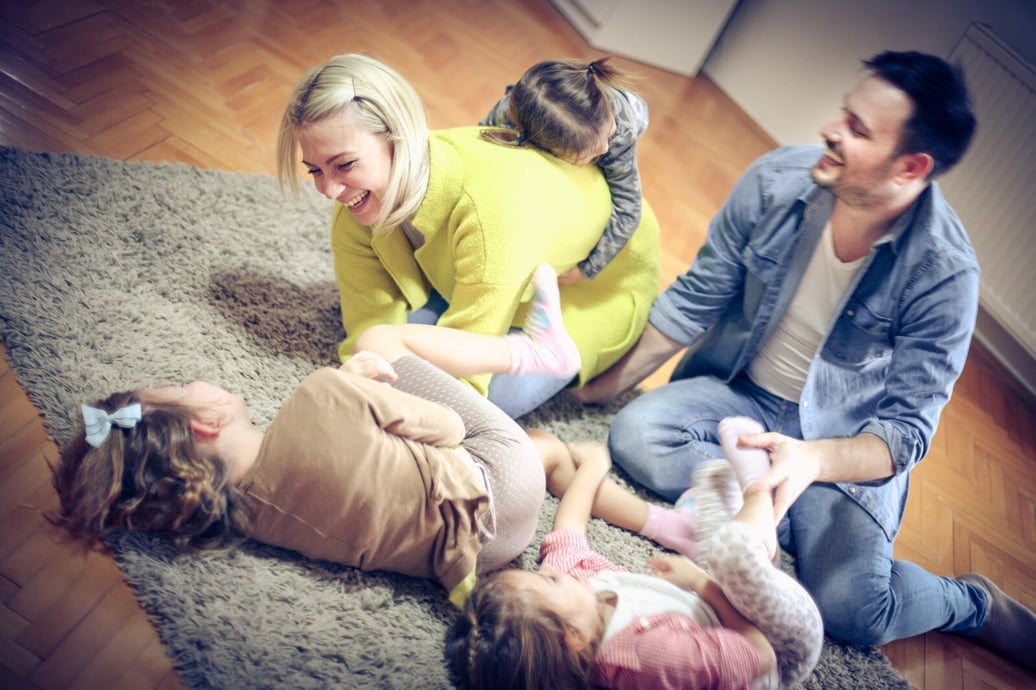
x=151, y=478
x=561, y=106
x=380, y=101
x=506, y=639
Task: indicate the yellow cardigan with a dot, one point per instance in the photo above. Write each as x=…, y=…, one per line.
x=491, y=215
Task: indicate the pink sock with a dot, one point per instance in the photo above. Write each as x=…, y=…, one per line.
x=544, y=346
x=671, y=528
x=750, y=464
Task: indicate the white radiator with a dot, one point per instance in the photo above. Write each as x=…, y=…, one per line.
x=993, y=189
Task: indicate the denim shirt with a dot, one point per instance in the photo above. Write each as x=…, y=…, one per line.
x=896, y=343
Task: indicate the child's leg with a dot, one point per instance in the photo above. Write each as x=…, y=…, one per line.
x=713, y=499
x=543, y=347
x=739, y=558
x=750, y=464
x=458, y=353
x=614, y=504
x=501, y=449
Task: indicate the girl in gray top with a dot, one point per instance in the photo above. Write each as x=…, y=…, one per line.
x=581, y=112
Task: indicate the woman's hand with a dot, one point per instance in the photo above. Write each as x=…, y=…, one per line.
x=369, y=365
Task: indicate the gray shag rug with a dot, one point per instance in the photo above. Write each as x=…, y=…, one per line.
x=116, y=275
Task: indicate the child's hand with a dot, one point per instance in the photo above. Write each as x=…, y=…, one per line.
x=571, y=276
x=680, y=570
x=369, y=365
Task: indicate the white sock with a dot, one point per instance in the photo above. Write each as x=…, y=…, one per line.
x=544, y=346
x=750, y=464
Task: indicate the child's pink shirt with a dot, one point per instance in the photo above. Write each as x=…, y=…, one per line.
x=663, y=650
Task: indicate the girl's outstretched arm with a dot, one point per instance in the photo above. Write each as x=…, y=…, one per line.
x=561, y=461
x=541, y=347
x=582, y=483
x=612, y=503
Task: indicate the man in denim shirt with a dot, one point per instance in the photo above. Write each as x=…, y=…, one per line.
x=833, y=301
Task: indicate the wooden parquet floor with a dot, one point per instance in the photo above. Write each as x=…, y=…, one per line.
x=203, y=82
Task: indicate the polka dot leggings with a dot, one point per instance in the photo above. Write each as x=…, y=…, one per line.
x=770, y=598
x=502, y=450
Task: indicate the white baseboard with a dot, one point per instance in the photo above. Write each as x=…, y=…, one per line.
x=1015, y=358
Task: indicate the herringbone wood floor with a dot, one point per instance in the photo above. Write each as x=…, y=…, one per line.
x=203, y=82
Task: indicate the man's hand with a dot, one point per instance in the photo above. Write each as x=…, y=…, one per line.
x=794, y=465
x=648, y=354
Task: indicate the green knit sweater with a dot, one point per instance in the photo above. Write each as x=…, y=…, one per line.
x=491, y=215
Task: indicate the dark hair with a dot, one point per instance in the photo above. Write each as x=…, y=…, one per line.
x=942, y=123
x=149, y=477
x=505, y=640
x=561, y=106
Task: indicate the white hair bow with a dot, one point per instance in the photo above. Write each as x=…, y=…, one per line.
x=99, y=423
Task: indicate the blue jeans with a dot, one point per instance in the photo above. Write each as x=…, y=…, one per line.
x=515, y=395
x=842, y=556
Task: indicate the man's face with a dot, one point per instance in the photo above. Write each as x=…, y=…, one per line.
x=861, y=161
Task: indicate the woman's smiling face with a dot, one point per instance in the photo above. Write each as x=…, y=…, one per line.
x=348, y=163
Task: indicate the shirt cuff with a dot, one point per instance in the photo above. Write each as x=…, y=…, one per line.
x=460, y=593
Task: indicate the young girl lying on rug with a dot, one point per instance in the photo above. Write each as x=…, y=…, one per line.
x=581, y=621
x=329, y=475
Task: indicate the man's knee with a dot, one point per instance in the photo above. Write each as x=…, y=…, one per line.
x=859, y=620
x=633, y=447
x=625, y=437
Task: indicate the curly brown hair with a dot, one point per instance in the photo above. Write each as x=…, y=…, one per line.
x=504, y=639
x=150, y=477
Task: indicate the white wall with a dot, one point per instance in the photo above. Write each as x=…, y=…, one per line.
x=788, y=63
x=675, y=35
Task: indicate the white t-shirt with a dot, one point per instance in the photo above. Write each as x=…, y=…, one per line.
x=645, y=595
x=639, y=595
x=783, y=362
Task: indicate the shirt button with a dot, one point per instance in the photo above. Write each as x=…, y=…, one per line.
x=805, y=403
x=852, y=490
x=850, y=312
x=644, y=622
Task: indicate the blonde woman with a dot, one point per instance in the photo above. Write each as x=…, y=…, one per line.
x=445, y=227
